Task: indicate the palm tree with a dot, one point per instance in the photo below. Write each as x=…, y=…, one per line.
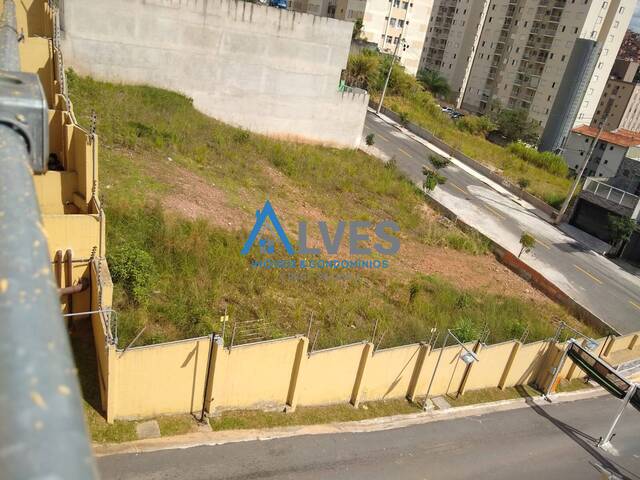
x=434, y=82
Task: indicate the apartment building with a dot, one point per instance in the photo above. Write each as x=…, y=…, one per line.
x=623, y=92
x=385, y=22
x=516, y=52
x=609, y=154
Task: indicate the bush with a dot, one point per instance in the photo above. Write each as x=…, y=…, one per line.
x=133, y=268
x=431, y=179
x=370, y=139
x=523, y=183
x=404, y=118
x=439, y=162
x=465, y=330
x=476, y=125
x=548, y=161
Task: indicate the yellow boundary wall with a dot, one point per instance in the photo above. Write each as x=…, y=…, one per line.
x=199, y=374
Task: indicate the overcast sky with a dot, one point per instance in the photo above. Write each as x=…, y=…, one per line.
x=635, y=21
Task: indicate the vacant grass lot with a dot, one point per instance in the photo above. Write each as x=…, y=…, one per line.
x=551, y=188
x=181, y=190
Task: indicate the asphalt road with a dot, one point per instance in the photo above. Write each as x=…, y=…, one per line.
x=554, y=442
x=590, y=279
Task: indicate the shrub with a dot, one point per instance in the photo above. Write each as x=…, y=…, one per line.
x=404, y=117
x=431, y=179
x=133, y=268
x=370, y=139
x=465, y=330
x=439, y=162
x=476, y=125
x=548, y=161
x=523, y=183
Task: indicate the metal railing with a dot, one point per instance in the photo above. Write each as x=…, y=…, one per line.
x=612, y=194
x=42, y=431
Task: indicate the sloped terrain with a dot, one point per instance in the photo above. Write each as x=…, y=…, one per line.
x=181, y=191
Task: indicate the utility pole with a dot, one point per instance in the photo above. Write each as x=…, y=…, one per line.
x=574, y=187
x=393, y=61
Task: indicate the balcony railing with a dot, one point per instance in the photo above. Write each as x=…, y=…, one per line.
x=612, y=194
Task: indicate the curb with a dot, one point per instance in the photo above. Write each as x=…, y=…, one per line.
x=197, y=439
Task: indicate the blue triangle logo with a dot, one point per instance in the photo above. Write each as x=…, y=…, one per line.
x=265, y=245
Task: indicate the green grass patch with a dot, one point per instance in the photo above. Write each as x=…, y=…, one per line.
x=487, y=395
x=171, y=425
x=255, y=419
x=420, y=109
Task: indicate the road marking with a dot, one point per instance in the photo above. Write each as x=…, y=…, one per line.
x=406, y=153
x=634, y=304
x=456, y=186
x=595, y=279
x=494, y=211
x=543, y=244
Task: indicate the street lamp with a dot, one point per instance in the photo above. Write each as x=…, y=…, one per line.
x=468, y=357
x=405, y=45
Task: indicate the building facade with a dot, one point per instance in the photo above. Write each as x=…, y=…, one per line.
x=623, y=91
x=612, y=156
x=516, y=52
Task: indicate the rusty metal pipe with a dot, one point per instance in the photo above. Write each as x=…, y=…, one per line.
x=77, y=288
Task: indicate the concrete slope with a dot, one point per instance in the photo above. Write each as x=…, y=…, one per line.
x=591, y=280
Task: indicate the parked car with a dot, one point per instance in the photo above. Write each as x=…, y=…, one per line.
x=279, y=4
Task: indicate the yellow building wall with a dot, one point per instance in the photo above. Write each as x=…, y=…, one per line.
x=330, y=375
x=80, y=233
x=254, y=375
x=389, y=372
x=161, y=379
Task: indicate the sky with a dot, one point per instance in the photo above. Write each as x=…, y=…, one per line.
x=635, y=21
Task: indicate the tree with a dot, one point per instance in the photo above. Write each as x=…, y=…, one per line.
x=357, y=29
x=621, y=229
x=434, y=82
x=515, y=125
x=528, y=242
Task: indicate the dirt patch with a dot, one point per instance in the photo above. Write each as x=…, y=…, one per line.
x=477, y=272
x=194, y=197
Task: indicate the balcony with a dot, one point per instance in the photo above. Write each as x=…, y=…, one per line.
x=614, y=197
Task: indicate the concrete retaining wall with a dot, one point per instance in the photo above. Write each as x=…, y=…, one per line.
x=268, y=70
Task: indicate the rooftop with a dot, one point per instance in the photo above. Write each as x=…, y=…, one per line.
x=620, y=137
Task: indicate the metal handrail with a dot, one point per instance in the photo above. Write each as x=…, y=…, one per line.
x=42, y=431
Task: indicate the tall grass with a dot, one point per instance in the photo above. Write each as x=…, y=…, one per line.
x=176, y=276
x=420, y=109
x=546, y=160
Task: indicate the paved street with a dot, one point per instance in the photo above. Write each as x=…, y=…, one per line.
x=554, y=442
x=593, y=281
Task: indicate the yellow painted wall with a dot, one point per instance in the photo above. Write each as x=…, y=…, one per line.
x=80, y=233
x=158, y=379
x=621, y=343
x=488, y=371
x=526, y=364
x=330, y=375
x=55, y=192
x=389, y=372
x=448, y=375
x=255, y=375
